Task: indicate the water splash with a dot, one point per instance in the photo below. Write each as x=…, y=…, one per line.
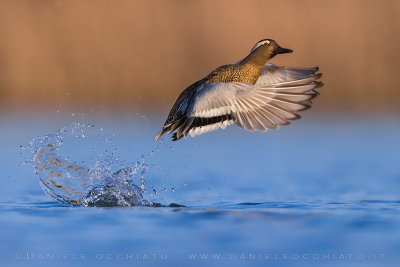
x=78, y=185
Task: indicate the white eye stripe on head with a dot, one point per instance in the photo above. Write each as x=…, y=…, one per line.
x=260, y=43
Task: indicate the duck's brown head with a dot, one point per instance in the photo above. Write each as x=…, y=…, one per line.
x=264, y=50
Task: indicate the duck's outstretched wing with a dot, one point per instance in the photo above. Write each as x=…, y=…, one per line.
x=280, y=75
x=274, y=100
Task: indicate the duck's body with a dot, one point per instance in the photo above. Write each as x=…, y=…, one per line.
x=255, y=95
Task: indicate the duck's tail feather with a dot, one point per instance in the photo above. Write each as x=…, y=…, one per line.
x=165, y=129
x=171, y=127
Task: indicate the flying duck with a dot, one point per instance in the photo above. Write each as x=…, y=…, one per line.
x=252, y=93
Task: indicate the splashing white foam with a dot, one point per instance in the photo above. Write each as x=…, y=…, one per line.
x=78, y=185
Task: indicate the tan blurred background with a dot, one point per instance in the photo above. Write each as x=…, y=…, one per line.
x=125, y=55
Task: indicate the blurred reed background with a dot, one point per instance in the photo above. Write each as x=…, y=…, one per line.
x=124, y=55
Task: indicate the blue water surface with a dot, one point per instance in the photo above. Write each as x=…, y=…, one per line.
x=322, y=192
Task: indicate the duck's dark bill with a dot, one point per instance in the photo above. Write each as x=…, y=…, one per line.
x=281, y=50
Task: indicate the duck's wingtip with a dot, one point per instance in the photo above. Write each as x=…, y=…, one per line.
x=159, y=135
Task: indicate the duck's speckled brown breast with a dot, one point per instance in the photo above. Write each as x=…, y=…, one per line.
x=235, y=73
